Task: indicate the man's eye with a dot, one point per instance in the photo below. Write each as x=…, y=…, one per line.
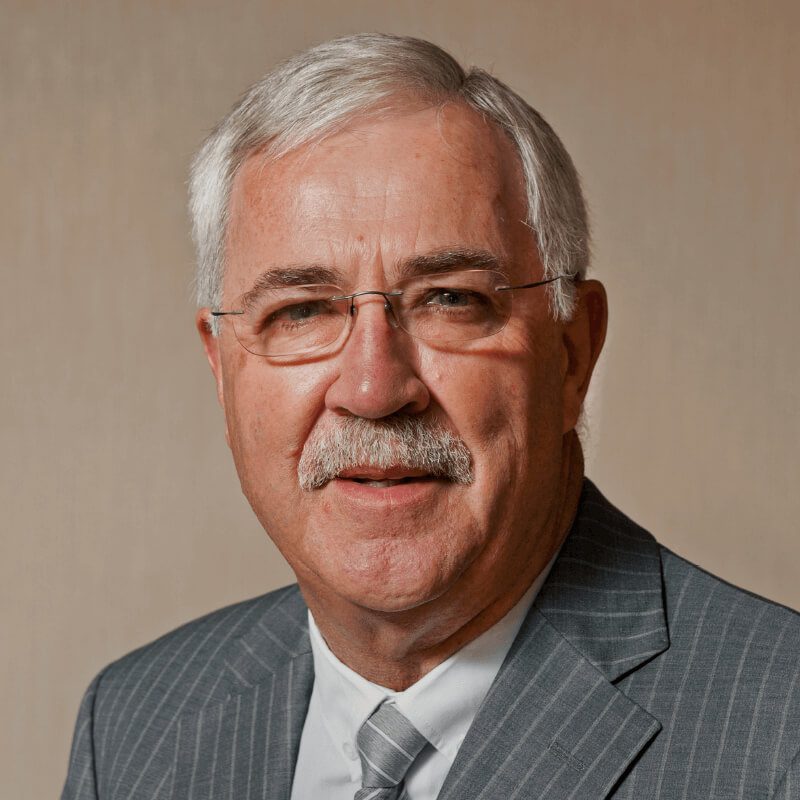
x=300, y=312
x=452, y=298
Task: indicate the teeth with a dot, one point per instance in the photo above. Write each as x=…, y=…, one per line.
x=381, y=484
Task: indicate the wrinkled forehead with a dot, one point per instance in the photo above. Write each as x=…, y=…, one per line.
x=380, y=190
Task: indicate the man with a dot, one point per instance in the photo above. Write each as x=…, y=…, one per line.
x=392, y=257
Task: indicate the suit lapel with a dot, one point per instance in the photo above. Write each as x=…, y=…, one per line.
x=245, y=747
x=605, y=592
x=553, y=724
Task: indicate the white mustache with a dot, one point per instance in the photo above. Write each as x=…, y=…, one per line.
x=399, y=441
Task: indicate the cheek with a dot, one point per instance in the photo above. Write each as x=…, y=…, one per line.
x=506, y=404
x=270, y=411
x=489, y=396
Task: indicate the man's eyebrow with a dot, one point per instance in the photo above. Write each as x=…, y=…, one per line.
x=295, y=275
x=448, y=260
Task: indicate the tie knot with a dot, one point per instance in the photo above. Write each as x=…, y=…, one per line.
x=387, y=744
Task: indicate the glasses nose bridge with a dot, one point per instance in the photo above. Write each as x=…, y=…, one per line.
x=388, y=306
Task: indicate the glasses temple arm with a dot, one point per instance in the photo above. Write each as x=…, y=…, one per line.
x=533, y=285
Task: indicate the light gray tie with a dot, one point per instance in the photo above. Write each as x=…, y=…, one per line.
x=388, y=744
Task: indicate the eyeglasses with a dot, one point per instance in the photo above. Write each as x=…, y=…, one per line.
x=446, y=307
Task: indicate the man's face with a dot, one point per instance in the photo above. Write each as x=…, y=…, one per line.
x=362, y=203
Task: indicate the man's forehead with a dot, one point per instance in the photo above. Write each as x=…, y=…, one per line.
x=420, y=181
x=372, y=155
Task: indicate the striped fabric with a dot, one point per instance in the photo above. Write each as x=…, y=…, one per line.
x=635, y=675
x=387, y=744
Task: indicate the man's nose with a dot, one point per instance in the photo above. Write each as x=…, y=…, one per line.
x=377, y=373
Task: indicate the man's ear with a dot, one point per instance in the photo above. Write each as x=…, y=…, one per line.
x=583, y=338
x=211, y=345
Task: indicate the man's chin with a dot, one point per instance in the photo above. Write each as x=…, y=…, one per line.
x=392, y=594
x=387, y=563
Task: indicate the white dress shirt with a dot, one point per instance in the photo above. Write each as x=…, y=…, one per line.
x=441, y=706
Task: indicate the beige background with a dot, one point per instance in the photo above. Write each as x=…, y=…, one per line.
x=121, y=511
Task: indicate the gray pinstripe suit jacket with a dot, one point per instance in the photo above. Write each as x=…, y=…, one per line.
x=635, y=675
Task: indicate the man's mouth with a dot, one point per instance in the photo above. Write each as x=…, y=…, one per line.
x=382, y=479
x=382, y=484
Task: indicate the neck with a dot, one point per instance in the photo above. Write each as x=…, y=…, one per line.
x=396, y=650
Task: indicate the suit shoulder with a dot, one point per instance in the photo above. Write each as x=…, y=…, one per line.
x=679, y=571
x=757, y=635
x=189, y=659
x=135, y=701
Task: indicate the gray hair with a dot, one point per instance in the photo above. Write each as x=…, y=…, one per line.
x=317, y=92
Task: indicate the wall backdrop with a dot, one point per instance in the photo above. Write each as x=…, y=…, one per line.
x=122, y=515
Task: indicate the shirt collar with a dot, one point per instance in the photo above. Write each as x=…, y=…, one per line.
x=441, y=705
